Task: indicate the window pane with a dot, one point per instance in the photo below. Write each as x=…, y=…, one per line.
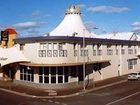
x=21, y=76
x=21, y=70
x=46, y=79
x=29, y=78
x=66, y=78
x=53, y=71
x=46, y=71
x=40, y=79
x=29, y=71
x=40, y=71
x=60, y=70
x=60, y=79
x=32, y=71
x=24, y=76
x=32, y=78
x=73, y=71
x=66, y=72
x=53, y=79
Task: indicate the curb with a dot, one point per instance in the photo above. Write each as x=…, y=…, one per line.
x=65, y=96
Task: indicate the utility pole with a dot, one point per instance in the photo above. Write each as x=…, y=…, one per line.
x=84, y=84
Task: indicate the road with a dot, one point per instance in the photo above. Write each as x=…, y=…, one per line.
x=127, y=93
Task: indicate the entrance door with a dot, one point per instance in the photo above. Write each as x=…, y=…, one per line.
x=9, y=72
x=80, y=73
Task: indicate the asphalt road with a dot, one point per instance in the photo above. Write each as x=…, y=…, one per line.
x=127, y=93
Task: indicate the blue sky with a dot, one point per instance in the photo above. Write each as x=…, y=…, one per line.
x=37, y=17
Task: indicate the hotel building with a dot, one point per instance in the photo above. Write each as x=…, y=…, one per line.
x=71, y=57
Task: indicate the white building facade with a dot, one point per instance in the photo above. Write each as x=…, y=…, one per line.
x=57, y=62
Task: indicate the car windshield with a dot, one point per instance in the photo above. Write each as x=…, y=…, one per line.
x=133, y=74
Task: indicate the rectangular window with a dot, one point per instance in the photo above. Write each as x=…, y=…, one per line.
x=122, y=51
x=41, y=72
x=135, y=50
x=53, y=70
x=99, y=52
x=84, y=53
x=46, y=71
x=60, y=79
x=60, y=46
x=117, y=52
x=130, y=51
x=43, y=46
x=22, y=47
x=46, y=79
x=132, y=63
x=94, y=52
x=44, y=75
x=26, y=74
x=109, y=52
x=53, y=79
x=55, y=46
x=66, y=74
x=135, y=61
x=49, y=46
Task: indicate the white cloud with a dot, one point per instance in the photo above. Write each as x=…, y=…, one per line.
x=136, y=27
x=81, y=5
x=30, y=28
x=107, y=9
x=28, y=25
x=136, y=24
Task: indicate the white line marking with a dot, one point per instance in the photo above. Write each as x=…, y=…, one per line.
x=57, y=102
x=50, y=101
x=63, y=103
x=123, y=98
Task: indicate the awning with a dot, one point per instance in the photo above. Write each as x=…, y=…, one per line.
x=11, y=55
x=132, y=58
x=62, y=64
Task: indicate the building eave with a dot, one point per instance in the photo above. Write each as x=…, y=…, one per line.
x=70, y=39
x=62, y=64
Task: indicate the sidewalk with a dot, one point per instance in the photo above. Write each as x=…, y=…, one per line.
x=41, y=93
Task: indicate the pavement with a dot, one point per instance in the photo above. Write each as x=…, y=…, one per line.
x=26, y=91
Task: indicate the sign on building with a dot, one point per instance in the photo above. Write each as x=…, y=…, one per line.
x=4, y=36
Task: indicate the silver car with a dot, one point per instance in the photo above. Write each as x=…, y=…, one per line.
x=134, y=76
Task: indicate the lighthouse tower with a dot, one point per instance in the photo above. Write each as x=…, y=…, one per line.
x=71, y=25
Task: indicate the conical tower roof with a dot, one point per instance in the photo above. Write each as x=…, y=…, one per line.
x=71, y=25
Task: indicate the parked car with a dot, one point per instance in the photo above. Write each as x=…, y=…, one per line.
x=134, y=76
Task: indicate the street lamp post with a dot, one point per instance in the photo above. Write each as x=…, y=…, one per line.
x=84, y=85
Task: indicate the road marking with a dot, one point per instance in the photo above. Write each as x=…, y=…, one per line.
x=100, y=94
x=43, y=99
x=57, y=102
x=121, y=99
x=50, y=100
x=63, y=103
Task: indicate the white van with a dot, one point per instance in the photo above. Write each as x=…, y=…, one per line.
x=134, y=76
